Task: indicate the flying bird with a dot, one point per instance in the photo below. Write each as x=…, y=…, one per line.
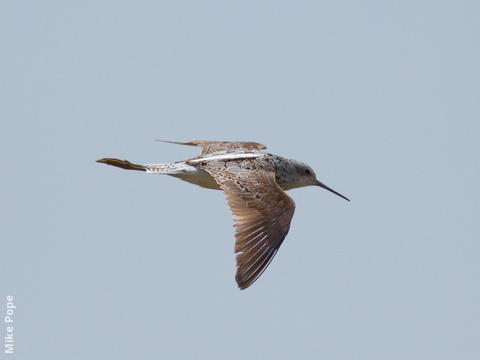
x=254, y=183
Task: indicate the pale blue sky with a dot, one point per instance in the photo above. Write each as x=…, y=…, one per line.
x=381, y=98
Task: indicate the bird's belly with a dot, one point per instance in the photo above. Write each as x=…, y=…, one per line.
x=198, y=177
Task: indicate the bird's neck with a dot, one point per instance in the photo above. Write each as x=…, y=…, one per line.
x=286, y=175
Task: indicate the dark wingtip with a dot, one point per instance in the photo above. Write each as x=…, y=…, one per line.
x=242, y=285
x=189, y=143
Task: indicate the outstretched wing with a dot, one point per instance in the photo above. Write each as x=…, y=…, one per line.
x=262, y=214
x=210, y=147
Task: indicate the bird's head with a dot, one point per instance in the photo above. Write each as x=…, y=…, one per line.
x=305, y=176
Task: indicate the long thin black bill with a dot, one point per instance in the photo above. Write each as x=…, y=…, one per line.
x=331, y=190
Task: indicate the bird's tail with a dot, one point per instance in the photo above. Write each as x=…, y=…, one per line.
x=124, y=164
x=169, y=169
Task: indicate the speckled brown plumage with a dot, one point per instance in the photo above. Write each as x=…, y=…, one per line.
x=262, y=211
x=210, y=147
x=254, y=183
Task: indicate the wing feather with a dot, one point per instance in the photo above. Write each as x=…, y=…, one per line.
x=210, y=147
x=262, y=214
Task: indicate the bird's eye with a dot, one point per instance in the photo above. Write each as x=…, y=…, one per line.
x=308, y=172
